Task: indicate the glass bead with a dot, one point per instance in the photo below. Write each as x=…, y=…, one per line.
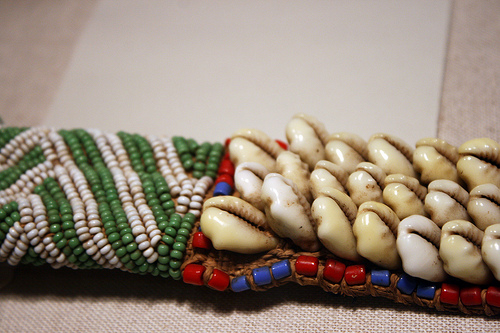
x=175, y=264
x=121, y=252
x=334, y=271
x=240, y=283
x=381, y=277
x=219, y=280
x=450, y=293
x=201, y=241
x=137, y=257
x=222, y=188
x=493, y=296
x=168, y=239
x=183, y=232
x=262, y=276
x=471, y=296
x=131, y=247
x=176, y=254
x=57, y=237
x=127, y=238
x=406, y=284
x=179, y=246
x=355, y=274
x=164, y=260
x=306, y=265
x=426, y=289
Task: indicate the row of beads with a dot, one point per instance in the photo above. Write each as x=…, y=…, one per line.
x=334, y=272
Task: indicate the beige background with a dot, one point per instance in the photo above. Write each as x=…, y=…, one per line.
x=37, y=42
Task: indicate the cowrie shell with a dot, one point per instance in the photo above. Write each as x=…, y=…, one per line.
x=288, y=212
x=484, y=205
x=446, y=201
x=233, y=224
x=248, y=180
x=404, y=195
x=392, y=154
x=375, y=229
x=366, y=183
x=334, y=213
x=490, y=249
x=346, y=150
x=479, y=162
x=327, y=174
x=461, y=253
x=251, y=145
x=418, y=246
x=290, y=166
x=436, y=159
x=307, y=137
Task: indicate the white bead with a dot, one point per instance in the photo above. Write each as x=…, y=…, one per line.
x=141, y=238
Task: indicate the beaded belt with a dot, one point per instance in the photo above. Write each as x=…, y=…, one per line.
x=379, y=217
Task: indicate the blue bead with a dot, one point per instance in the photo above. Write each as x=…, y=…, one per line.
x=262, y=276
x=426, y=289
x=281, y=269
x=240, y=283
x=381, y=277
x=222, y=188
x=407, y=284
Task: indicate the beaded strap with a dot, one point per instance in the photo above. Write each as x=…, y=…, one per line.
x=86, y=199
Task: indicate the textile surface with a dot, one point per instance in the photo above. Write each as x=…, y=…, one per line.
x=36, y=40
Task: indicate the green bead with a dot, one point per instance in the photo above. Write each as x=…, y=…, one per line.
x=73, y=242
x=168, y=204
x=144, y=267
x=199, y=166
x=175, y=254
x=162, y=267
x=153, y=202
x=113, y=237
x=163, y=198
x=110, y=230
x=121, y=252
x=184, y=232
x=68, y=234
x=175, y=264
x=132, y=247
x=125, y=259
x=57, y=237
x=170, y=231
x=168, y=240
x=62, y=243
x=175, y=273
x=181, y=239
x=162, y=225
x=212, y=167
x=179, y=247
x=117, y=244
x=55, y=228
x=164, y=260
x=136, y=255
x=127, y=238
x=125, y=231
x=198, y=174
x=163, y=249
x=78, y=250
x=186, y=225
x=211, y=174
x=67, y=251
x=175, y=225
x=130, y=265
x=68, y=225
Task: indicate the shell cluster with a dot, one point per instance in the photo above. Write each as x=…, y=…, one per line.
x=432, y=211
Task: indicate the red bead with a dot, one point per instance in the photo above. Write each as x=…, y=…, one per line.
x=282, y=144
x=226, y=157
x=471, y=296
x=219, y=280
x=226, y=166
x=193, y=274
x=307, y=265
x=225, y=178
x=333, y=271
x=449, y=293
x=227, y=142
x=493, y=296
x=201, y=241
x=355, y=274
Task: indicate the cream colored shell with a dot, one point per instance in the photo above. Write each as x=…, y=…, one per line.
x=290, y=166
x=327, y=174
x=333, y=213
x=446, y=201
x=490, y=249
x=307, y=137
x=404, y=195
x=346, y=150
x=288, y=212
x=375, y=229
x=366, y=183
x=233, y=224
x=479, y=162
x=248, y=180
x=460, y=251
x=418, y=245
x=436, y=159
x=484, y=205
x=392, y=154
x=251, y=145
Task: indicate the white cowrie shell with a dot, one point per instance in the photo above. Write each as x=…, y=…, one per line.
x=248, y=180
x=290, y=166
x=479, y=162
x=461, y=253
x=288, y=212
x=226, y=222
x=346, y=150
x=436, y=159
x=418, y=246
x=306, y=137
x=333, y=213
x=366, y=183
x=404, y=195
x=327, y=174
x=392, y=154
x=490, y=249
x=251, y=145
x=446, y=201
x=484, y=205
x=375, y=230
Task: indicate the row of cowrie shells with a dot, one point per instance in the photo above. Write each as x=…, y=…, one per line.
x=394, y=178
